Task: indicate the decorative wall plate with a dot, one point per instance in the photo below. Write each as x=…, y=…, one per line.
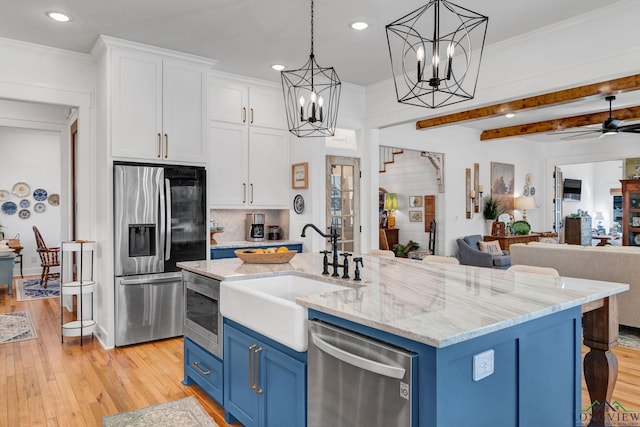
x=21, y=189
x=24, y=213
x=39, y=207
x=528, y=179
x=9, y=208
x=54, y=199
x=525, y=190
x=532, y=191
x=25, y=203
x=298, y=204
x=39, y=194
x=4, y=195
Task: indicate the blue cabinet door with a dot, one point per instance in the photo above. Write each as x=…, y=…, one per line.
x=283, y=380
x=280, y=378
x=240, y=400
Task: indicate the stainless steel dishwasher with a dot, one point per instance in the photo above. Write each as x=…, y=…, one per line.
x=355, y=381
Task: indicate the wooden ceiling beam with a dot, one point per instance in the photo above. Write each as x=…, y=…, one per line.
x=630, y=113
x=623, y=84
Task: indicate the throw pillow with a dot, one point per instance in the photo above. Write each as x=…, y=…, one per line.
x=490, y=247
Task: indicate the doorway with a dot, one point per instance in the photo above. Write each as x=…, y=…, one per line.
x=343, y=196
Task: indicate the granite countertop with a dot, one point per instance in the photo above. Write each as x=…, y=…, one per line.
x=247, y=244
x=431, y=304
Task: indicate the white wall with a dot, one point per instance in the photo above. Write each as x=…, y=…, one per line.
x=461, y=148
x=33, y=157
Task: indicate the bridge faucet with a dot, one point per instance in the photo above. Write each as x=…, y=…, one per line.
x=333, y=235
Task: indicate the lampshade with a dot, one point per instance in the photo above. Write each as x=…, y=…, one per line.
x=390, y=202
x=311, y=96
x=527, y=202
x=435, y=54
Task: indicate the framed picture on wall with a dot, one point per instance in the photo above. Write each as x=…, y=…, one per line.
x=300, y=175
x=502, y=184
x=415, y=201
x=415, y=216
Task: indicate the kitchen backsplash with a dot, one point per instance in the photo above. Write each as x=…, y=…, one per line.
x=234, y=222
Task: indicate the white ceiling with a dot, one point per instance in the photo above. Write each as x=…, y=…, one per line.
x=247, y=37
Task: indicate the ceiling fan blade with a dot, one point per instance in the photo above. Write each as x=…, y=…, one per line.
x=635, y=128
x=583, y=135
x=581, y=131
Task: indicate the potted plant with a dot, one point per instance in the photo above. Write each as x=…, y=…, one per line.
x=401, y=251
x=491, y=210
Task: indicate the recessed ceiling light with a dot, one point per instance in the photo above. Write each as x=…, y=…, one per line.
x=278, y=67
x=359, y=26
x=509, y=115
x=58, y=16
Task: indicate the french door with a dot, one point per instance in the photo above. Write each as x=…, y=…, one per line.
x=343, y=200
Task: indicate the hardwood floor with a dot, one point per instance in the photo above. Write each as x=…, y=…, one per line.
x=44, y=382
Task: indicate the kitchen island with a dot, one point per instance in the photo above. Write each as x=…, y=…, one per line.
x=440, y=309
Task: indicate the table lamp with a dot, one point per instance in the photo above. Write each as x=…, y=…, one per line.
x=390, y=205
x=524, y=203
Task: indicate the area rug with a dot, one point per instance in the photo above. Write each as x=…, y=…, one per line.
x=185, y=412
x=29, y=289
x=629, y=337
x=16, y=326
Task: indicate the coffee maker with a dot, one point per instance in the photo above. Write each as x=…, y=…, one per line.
x=255, y=227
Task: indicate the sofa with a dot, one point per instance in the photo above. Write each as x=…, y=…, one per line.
x=470, y=254
x=609, y=263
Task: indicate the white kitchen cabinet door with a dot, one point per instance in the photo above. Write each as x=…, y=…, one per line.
x=269, y=168
x=266, y=107
x=137, y=106
x=228, y=101
x=227, y=167
x=183, y=122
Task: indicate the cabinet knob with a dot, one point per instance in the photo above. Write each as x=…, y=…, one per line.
x=251, y=185
x=252, y=116
x=166, y=145
x=244, y=192
x=244, y=114
x=159, y=145
x=250, y=367
x=256, y=388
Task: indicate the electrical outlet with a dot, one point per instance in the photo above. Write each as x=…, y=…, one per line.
x=482, y=365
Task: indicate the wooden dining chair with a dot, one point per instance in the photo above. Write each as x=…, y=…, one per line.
x=48, y=259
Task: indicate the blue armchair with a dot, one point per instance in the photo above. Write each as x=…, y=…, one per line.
x=470, y=254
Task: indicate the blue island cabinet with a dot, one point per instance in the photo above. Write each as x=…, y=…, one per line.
x=204, y=369
x=535, y=382
x=265, y=382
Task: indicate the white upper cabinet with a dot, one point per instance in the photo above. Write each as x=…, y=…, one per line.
x=248, y=146
x=158, y=109
x=234, y=101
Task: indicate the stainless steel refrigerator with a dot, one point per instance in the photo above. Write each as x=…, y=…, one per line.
x=160, y=219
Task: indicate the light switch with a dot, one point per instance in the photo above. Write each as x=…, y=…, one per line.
x=482, y=365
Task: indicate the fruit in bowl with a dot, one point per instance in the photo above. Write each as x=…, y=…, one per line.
x=266, y=256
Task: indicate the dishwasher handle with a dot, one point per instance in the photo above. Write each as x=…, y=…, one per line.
x=358, y=361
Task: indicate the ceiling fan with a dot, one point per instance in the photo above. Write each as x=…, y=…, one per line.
x=610, y=126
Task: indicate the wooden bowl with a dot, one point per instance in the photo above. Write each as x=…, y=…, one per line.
x=273, y=258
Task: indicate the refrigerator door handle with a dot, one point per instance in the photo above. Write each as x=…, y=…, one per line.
x=163, y=220
x=358, y=361
x=167, y=190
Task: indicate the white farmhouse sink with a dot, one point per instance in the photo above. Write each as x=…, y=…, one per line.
x=267, y=305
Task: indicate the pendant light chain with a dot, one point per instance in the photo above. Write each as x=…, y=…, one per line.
x=311, y=28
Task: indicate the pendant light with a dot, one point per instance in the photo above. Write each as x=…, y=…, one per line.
x=311, y=96
x=435, y=54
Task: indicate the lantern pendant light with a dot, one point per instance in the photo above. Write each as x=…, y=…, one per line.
x=419, y=40
x=311, y=97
